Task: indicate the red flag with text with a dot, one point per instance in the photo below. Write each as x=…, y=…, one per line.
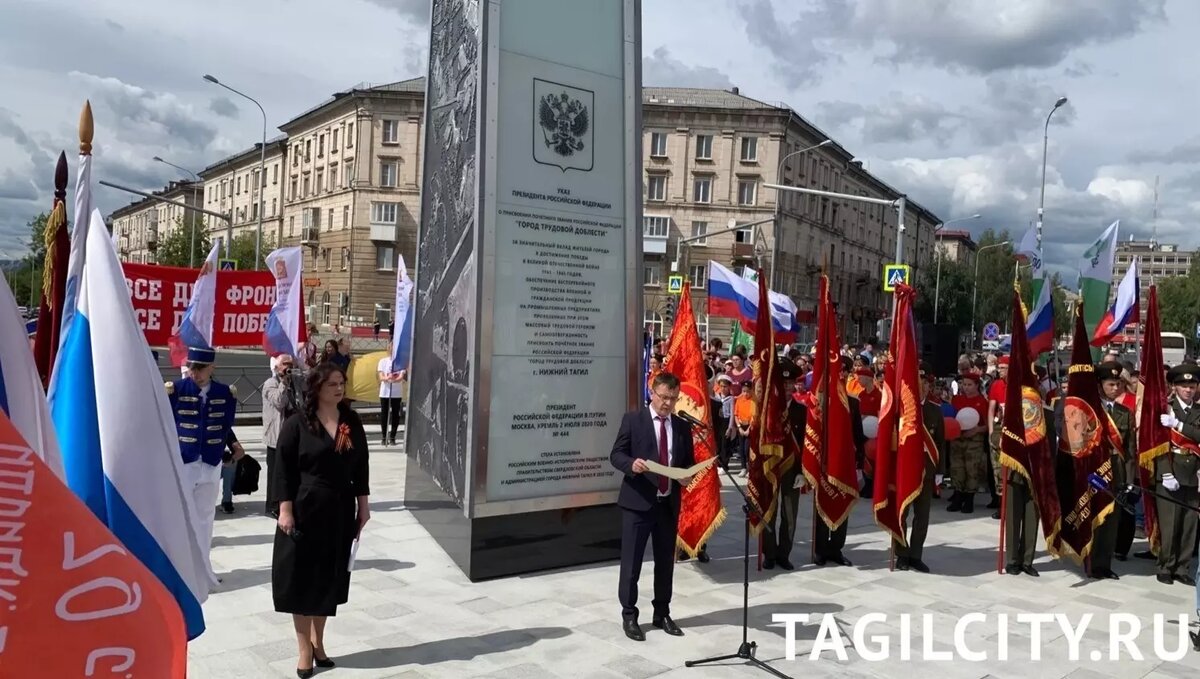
x=1153, y=438
x=769, y=454
x=700, y=513
x=828, y=460
x=78, y=603
x=160, y=296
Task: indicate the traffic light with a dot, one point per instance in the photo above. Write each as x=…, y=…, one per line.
x=669, y=313
x=883, y=329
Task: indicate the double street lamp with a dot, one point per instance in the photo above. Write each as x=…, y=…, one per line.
x=262, y=167
x=975, y=287
x=937, y=283
x=195, y=178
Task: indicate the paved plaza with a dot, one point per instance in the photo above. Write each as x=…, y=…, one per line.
x=413, y=614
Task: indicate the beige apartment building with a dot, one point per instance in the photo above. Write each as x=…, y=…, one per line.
x=231, y=188
x=707, y=155
x=1156, y=261
x=352, y=198
x=956, y=246
x=139, y=226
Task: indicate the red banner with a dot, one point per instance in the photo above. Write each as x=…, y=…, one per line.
x=75, y=602
x=160, y=295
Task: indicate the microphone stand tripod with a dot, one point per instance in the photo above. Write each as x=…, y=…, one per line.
x=746, y=650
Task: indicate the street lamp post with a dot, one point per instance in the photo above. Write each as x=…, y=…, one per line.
x=262, y=167
x=975, y=287
x=1045, y=143
x=777, y=229
x=348, y=253
x=195, y=178
x=937, y=283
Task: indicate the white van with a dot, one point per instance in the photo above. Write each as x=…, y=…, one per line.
x=1174, y=348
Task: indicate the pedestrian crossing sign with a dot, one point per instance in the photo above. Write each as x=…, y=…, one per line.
x=895, y=274
x=227, y=265
x=675, y=285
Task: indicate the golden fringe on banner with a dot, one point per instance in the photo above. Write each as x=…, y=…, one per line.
x=56, y=220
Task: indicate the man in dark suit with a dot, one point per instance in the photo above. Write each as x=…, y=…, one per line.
x=1175, y=473
x=931, y=415
x=1115, y=535
x=829, y=544
x=650, y=503
x=777, y=542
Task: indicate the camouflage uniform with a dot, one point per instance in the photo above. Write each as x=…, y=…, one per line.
x=994, y=444
x=968, y=462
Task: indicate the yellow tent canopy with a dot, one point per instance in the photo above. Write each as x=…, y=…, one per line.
x=362, y=380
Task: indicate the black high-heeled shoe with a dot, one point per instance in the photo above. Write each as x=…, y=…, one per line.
x=324, y=663
x=304, y=674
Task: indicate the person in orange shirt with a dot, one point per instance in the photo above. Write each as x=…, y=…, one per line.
x=744, y=410
x=656, y=367
x=968, y=453
x=853, y=385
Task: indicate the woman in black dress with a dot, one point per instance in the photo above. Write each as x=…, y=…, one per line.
x=323, y=487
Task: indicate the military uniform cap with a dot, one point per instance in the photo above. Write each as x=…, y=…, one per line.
x=1003, y=360
x=1186, y=372
x=201, y=355
x=1109, y=370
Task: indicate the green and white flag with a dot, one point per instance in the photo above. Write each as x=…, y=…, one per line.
x=1095, y=278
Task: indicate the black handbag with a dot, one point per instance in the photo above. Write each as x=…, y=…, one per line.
x=245, y=479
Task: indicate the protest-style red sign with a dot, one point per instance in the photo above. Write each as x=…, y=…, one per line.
x=73, y=601
x=160, y=295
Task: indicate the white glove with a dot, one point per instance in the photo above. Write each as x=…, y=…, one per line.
x=1170, y=482
x=938, y=478
x=1169, y=420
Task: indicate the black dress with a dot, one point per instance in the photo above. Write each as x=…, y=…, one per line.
x=310, y=571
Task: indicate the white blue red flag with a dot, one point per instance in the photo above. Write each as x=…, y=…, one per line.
x=196, y=328
x=732, y=296
x=1039, y=327
x=402, y=335
x=117, y=433
x=285, y=323
x=1124, y=309
x=22, y=397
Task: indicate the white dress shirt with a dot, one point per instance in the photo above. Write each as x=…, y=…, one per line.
x=670, y=444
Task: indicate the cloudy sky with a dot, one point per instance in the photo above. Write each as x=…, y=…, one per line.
x=945, y=99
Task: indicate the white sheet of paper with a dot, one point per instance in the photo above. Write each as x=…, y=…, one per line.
x=353, y=555
x=678, y=473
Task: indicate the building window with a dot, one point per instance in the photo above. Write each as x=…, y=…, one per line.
x=698, y=276
x=385, y=258
x=345, y=216
x=658, y=144
x=320, y=180
x=704, y=147
x=653, y=276
x=333, y=141
x=307, y=150
x=274, y=206
x=656, y=187
x=305, y=191
x=296, y=155
x=275, y=173
x=699, y=231
x=238, y=190
x=325, y=308
x=333, y=185
x=254, y=210
x=391, y=131
x=745, y=235
x=383, y=213
x=654, y=323
x=321, y=146
x=350, y=136
x=325, y=259
x=292, y=190
x=749, y=149
x=329, y=221
x=291, y=226
x=655, y=227
x=702, y=190
x=747, y=191
x=387, y=173
x=343, y=259
x=348, y=176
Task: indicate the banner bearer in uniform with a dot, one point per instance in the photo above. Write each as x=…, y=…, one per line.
x=204, y=410
x=1115, y=535
x=909, y=558
x=1175, y=477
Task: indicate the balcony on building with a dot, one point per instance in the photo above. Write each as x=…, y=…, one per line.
x=656, y=230
x=309, y=235
x=385, y=233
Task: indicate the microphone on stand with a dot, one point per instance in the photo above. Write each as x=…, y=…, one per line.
x=1127, y=498
x=695, y=422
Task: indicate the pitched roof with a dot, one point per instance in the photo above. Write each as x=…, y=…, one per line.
x=412, y=85
x=701, y=97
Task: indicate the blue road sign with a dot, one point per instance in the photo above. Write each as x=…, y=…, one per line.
x=991, y=332
x=227, y=265
x=895, y=274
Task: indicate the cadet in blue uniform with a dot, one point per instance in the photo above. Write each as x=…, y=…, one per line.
x=204, y=411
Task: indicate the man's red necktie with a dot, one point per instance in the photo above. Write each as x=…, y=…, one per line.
x=664, y=484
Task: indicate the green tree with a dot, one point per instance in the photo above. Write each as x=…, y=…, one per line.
x=953, y=290
x=175, y=249
x=242, y=249
x=37, y=237
x=1179, y=302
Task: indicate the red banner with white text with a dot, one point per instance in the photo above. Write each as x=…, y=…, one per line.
x=76, y=603
x=160, y=295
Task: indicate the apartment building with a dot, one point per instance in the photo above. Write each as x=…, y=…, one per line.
x=956, y=246
x=707, y=155
x=352, y=198
x=1156, y=261
x=232, y=187
x=139, y=226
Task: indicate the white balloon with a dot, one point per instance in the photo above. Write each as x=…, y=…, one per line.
x=870, y=425
x=968, y=418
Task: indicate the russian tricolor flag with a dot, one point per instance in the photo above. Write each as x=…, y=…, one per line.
x=1039, y=327
x=403, y=321
x=117, y=433
x=731, y=296
x=1124, y=309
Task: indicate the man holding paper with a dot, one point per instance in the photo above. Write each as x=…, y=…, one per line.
x=649, y=502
